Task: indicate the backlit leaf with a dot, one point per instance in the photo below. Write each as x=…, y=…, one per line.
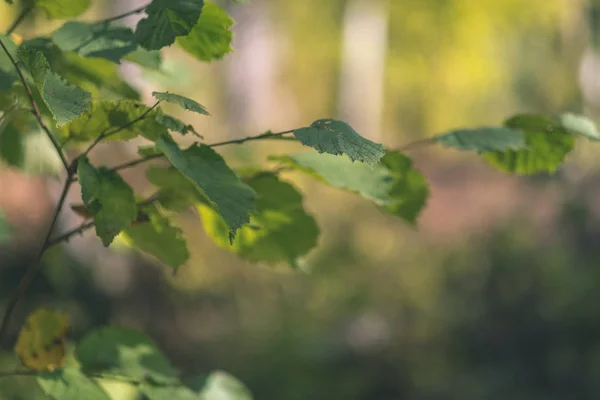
x=70, y=384
x=111, y=42
x=393, y=184
x=210, y=39
x=166, y=20
x=547, y=147
x=483, y=139
x=181, y=101
x=220, y=385
x=231, y=197
x=161, y=392
x=279, y=231
x=109, y=198
x=64, y=101
x=160, y=238
x=121, y=351
x=580, y=125
x=59, y=9
x=40, y=345
x=337, y=138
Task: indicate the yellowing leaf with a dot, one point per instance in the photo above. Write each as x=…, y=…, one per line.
x=40, y=345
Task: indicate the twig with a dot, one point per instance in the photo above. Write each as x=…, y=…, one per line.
x=124, y=15
x=35, y=109
x=24, y=12
x=34, y=266
x=109, y=133
x=417, y=144
x=268, y=135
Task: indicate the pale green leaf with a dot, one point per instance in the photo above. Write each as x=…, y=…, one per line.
x=231, y=197
x=580, y=125
x=337, y=138
x=123, y=352
x=220, y=385
x=210, y=39
x=104, y=116
x=547, y=147
x=159, y=237
x=161, y=392
x=167, y=19
x=150, y=59
x=109, y=198
x=181, y=101
x=60, y=9
x=279, y=231
x=483, y=139
x=64, y=101
x=70, y=384
x=111, y=42
x=393, y=184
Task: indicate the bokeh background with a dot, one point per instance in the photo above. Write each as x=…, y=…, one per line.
x=495, y=294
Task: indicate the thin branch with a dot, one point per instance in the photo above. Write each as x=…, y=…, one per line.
x=109, y=133
x=35, y=109
x=24, y=12
x=417, y=144
x=34, y=266
x=267, y=135
x=124, y=15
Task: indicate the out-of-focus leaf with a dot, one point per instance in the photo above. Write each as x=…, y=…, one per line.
x=150, y=59
x=220, y=385
x=59, y=9
x=337, y=138
x=70, y=384
x=8, y=74
x=172, y=392
x=580, y=125
x=210, y=39
x=40, y=345
x=483, y=139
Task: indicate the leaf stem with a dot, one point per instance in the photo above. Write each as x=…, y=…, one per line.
x=264, y=136
x=35, y=265
x=124, y=15
x=35, y=109
x=24, y=12
x=417, y=143
x=109, y=133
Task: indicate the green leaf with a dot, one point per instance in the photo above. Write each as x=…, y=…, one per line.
x=483, y=139
x=279, y=231
x=176, y=191
x=159, y=392
x=181, y=101
x=120, y=351
x=70, y=384
x=210, y=39
x=547, y=147
x=12, y=147
x=150, y=59
x=337, y=138
x=167, y=19
x=105, y=115
x=580, y=125
x=5, y=230
x=9, y=2
x=8, y=74
x=394, y=184
x=220, y=385
x=176, y=125
x=111, y=42
x=160, y=238
x=231, y=197
x=109, y=198
x=60, y=9
x=64, y=101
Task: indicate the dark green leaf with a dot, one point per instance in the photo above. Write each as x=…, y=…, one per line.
x=5, y=230
x=109, y=198
x=12, y=147
x=483, y=139
x=175, y=125
x=181, y=101
x=160, y=238
x=580, y=125
x=167, y=19
x=337, y=138
x=70, y=384
x=59, y=9
x=393, y=184
x=105, y=116
x=8, y=74
x=547, y=147
x=121, y=351
x=210, y=39
x=111, y=42
x=9, y=1
x=64, y=101
x=231, y=197
x=160, y=392
x=279, y=231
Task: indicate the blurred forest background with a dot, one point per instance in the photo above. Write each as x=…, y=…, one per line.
x=495, y=294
